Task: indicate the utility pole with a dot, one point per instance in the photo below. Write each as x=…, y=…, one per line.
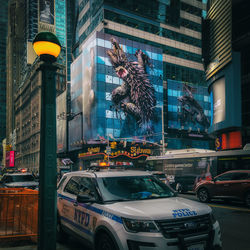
x=162, y=124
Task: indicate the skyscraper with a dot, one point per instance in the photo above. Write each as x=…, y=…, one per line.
x=3, y=40
x=227, y=71
x=175, y=27
x=26, y=19
x=169, y=34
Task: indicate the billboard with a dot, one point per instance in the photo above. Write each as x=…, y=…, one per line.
x=117, y=85
x=61, y=122
x=189, y=106
x=218, y=101
x=46, y=11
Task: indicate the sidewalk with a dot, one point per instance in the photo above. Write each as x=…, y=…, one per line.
x=32, y=246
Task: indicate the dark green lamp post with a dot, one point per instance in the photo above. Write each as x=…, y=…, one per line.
x=47, y=47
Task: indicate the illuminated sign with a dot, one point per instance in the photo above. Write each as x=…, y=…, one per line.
x=231, y=140
x=10, y=158
x=218, y=143
x=131, y=152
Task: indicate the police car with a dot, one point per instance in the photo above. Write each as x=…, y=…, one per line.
x=118, y=209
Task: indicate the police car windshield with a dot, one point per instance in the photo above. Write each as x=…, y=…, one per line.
x=126, y=188
x=19, y=178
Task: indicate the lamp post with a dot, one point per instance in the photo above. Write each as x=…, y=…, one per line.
x=47, y=46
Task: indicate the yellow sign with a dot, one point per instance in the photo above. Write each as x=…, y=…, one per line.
x=113, y=144
x=90, y=151
x=137, y=151
x=8, y=147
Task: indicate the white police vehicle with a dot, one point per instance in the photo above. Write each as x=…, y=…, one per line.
x=132, y=210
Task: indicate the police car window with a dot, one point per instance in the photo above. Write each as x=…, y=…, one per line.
x=61, y=182
x=86, y=187
x=133, y=188
x=72, y=186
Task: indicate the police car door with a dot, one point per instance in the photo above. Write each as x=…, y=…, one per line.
x=85, y=213
x=67, y=199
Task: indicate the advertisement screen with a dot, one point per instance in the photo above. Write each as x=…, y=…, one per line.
x=218, y=96
x=75, y=132
x=117, y=85
x=189, y=106
x=46, y=13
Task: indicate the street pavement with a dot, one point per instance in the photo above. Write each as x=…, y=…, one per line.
x=234, y=219
x=71, y=245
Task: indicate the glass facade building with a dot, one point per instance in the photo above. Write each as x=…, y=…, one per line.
x=174, y=28
x=94, y=80
x=3, y=39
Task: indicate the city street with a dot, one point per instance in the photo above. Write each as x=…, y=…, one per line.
x=234, y=219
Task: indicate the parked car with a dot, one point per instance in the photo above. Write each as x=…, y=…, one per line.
x=117, y=209
x=184, y=183
x=19, y=180
x=234, y=185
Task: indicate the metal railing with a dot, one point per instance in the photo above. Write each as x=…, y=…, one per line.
x=18, y=213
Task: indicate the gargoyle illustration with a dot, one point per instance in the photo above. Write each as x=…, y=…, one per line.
x=191, y=109
x=136, y=95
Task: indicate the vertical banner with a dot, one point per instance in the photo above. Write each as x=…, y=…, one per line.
x=46, y=13
x=61, y=122
x=12, y=159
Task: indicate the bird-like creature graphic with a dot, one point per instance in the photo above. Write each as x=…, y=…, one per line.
x=191, y=110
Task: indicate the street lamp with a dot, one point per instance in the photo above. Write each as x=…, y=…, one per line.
x=47, y=47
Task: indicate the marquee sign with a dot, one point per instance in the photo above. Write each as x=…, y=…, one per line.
x=132, y=152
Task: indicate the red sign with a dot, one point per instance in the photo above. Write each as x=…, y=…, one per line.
x=231, y=140
x=10, y=158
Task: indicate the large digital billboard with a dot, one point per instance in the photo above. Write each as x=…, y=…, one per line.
x=117, y=85
x=189, y=106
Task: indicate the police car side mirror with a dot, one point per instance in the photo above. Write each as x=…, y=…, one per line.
x=81, y=198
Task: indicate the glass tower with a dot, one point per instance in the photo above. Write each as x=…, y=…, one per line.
x=3, y=39
x=174, y=27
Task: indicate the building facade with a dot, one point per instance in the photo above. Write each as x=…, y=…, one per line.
x=3, y=40
x=227, y=71
x=25, y=19
x=173, y=30
x=28, y=115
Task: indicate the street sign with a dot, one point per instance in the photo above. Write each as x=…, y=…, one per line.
x=108, y=150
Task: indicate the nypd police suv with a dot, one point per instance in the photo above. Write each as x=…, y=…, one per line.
x=118, y=209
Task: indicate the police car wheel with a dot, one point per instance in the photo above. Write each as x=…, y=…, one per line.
x=203, y=195
x=104, y=242
x=247, y=199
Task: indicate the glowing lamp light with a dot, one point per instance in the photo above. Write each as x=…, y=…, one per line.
x=46, y=45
